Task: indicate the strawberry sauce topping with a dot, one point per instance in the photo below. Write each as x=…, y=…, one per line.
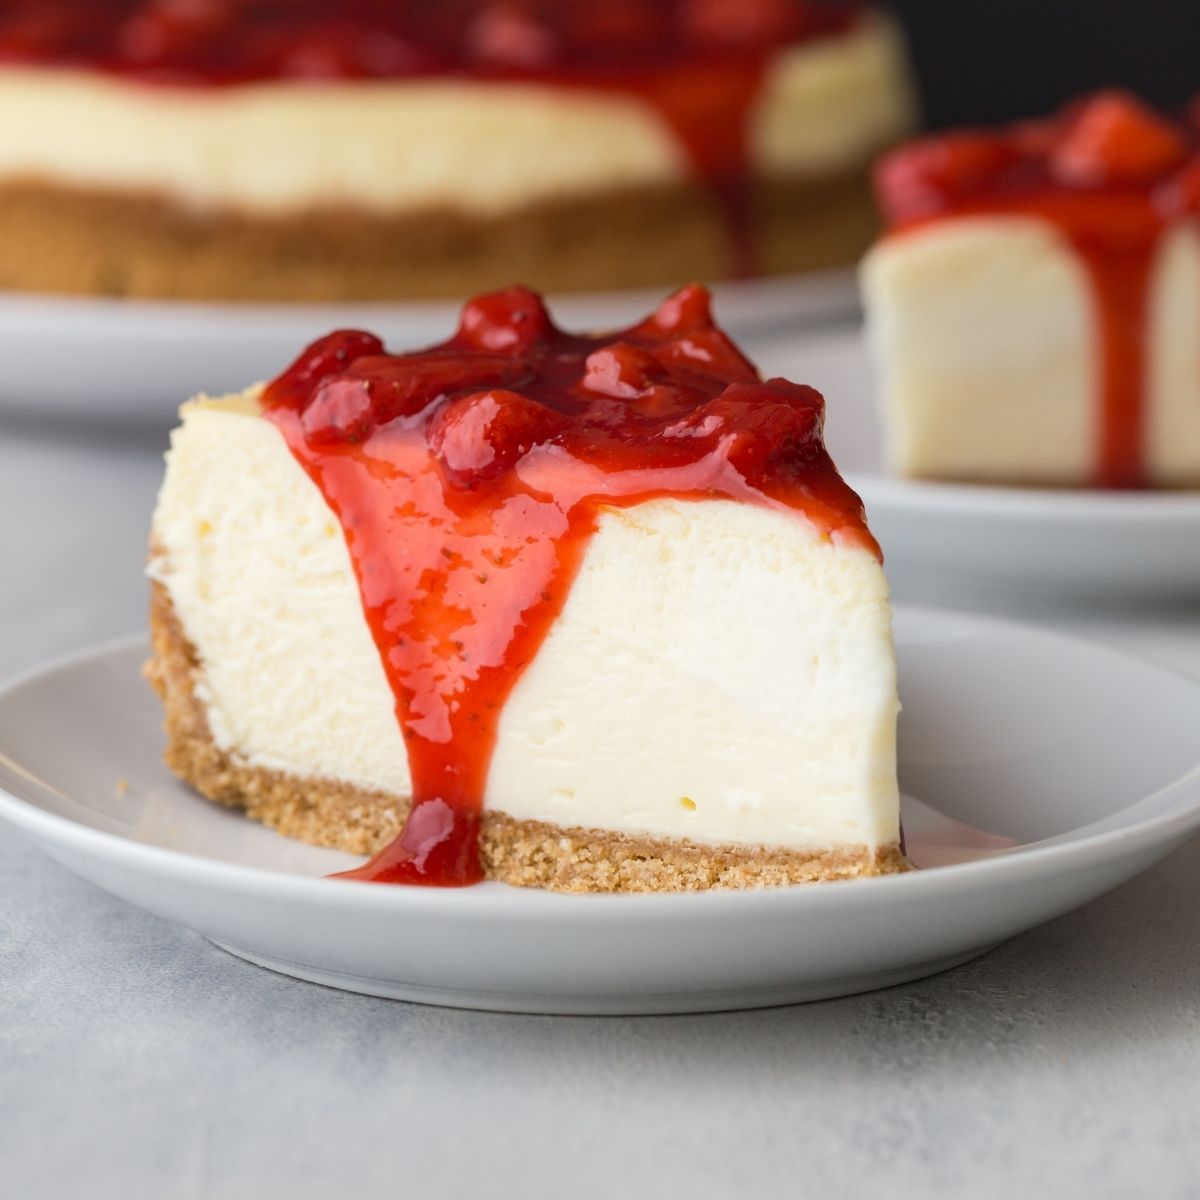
x=698, y=63
x=469, y=477
x=1112, y=176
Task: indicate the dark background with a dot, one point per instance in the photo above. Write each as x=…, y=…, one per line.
x=987, y=60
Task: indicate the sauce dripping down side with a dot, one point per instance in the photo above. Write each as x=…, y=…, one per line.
x=469, y=477
x=698, y=63
x=1108, y=174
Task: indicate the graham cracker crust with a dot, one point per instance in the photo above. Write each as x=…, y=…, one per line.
x=522, y=853
x=55, y=238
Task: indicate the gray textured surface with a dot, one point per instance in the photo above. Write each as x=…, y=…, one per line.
x=136, y=1060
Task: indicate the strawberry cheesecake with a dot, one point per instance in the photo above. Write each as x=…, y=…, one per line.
x=302, y=150
x=588, y=613
x=1034, y=307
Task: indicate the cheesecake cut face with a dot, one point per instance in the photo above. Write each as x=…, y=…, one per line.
x=310, y=151
x=1034, y=310
x=591, y=613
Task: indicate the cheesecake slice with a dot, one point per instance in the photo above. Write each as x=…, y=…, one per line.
x=574, y=612
x=1034, y=309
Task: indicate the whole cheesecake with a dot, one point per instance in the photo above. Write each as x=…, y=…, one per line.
x=1035, y=304
x=375, y=150
x=589, y=613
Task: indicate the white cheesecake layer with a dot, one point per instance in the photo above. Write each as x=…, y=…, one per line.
x=416, y=145
x=719, y=672
x=1173, y=419
x=988, y=356
x=981, y=333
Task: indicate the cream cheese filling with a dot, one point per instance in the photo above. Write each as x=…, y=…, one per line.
x=485, y=149
x=720, y=672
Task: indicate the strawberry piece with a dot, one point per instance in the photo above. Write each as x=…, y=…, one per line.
x=709, y=351
x=512, y=321
x=684, y=311
x=929, y=171
x=1115, y=139
x=759, y=422
x=681, y=332
x=621, y=370
x=339, y=411
x=332, y=354
x=511, y=35
x=478, y=436
x=340, y=49
x=173, y=28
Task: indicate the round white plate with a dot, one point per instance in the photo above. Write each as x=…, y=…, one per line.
x=1026, y=794
x=1116, y=545
x=137, y=360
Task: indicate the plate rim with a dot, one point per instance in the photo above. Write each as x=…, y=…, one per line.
x=1069, y=849
x=31, y=307
x=1097, y=506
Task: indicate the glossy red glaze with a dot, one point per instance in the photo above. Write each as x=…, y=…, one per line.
x=469, y=477
x=1111, y=175
x=698, y=62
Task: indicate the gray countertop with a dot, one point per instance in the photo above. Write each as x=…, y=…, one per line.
x=136, y=1060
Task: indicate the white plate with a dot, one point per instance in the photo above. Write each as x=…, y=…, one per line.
x=1020, y=733
x=1117, y=545
x=136, y=360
